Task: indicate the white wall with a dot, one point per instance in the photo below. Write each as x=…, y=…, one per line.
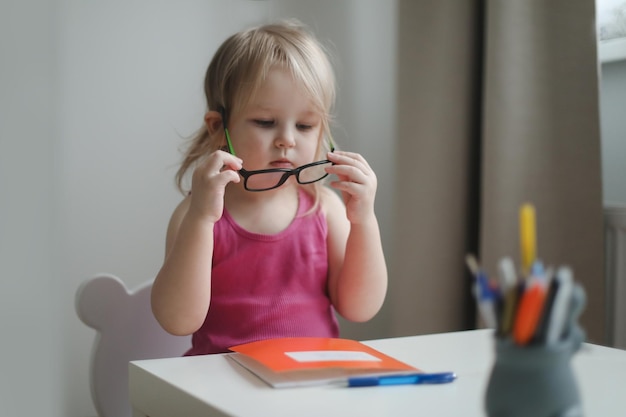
x=30, y=320
x=613, y=125
x=94, y=97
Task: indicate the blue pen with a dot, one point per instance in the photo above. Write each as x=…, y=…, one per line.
x=438, y=378
x=486, y=296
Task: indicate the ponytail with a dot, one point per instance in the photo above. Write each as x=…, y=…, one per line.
x=199, y=146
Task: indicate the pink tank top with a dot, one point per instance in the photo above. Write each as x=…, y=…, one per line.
x=267, y=286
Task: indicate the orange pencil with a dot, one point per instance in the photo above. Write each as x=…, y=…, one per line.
x=529, y=313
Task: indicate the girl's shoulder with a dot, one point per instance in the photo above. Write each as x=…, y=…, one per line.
x=176, y=219
x=331, y=203
x=181, y=210
x=334, y=210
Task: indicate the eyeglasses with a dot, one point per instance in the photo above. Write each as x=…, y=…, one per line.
x=268, y=179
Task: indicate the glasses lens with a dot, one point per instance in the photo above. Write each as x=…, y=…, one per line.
x=263, y=181
x=313, y=173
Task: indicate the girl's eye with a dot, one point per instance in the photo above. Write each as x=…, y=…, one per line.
x=264, y=123
x=304, y=127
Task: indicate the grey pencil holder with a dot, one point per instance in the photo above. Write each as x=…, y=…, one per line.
x=534, y=381
x=537, y=380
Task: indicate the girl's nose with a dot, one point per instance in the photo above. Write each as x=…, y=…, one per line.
x=285, y=138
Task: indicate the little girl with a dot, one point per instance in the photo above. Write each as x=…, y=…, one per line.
x=259, y=248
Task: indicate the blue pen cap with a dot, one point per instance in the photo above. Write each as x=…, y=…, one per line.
x=485, y=291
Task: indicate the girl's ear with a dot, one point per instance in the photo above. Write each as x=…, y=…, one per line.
x=213, y=121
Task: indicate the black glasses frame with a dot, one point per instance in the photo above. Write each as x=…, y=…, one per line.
x=286, y=171
x=286, y=174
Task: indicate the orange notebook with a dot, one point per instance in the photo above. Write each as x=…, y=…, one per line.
x=305, y=361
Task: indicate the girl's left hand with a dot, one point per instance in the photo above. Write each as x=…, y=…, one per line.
x=357, y=183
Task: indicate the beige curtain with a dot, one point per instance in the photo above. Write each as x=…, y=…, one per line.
x=497, y=106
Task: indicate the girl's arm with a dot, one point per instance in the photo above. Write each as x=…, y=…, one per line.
x=357, y=268
x=181, y=292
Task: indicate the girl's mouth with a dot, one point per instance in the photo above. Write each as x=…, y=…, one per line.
x=282, y=163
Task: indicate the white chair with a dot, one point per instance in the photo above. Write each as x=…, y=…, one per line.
x=126, y=331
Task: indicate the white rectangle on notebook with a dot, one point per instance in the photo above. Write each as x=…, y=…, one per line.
x=331, y=355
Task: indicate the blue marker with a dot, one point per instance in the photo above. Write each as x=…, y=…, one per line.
x=408, y=379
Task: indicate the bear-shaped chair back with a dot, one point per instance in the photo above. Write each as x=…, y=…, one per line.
x=126, y=330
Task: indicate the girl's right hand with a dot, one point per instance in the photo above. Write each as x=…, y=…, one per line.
x=209, y=182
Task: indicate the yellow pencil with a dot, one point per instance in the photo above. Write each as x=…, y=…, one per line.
x=528, y=236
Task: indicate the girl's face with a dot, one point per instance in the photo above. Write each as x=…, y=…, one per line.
x=280, y=128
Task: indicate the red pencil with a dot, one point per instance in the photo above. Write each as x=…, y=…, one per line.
x=529, y=313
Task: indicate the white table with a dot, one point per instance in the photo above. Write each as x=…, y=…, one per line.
x=213, y=385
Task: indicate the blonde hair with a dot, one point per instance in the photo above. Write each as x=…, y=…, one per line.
x=240, y=66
